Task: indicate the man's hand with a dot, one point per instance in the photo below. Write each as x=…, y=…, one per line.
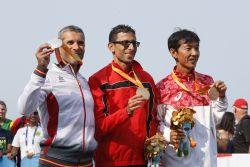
x=10, y=156
x=29, y=155
x=43, y=55
x=221, y=87
x=134, y=103
x=176, y=135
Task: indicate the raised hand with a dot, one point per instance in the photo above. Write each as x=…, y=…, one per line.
x=221, y=87
x=43, y=55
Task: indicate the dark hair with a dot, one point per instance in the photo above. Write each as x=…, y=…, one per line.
x=3, y=103
x=120, y=28
x=70, y=28
x=35, y=113
x=182, y=35
x=227, y=122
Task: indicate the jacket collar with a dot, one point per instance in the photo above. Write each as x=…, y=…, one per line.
x=135, y=66
x=183, y=76
x=67, y=68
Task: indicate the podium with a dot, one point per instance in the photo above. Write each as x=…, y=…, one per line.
x=233, y=160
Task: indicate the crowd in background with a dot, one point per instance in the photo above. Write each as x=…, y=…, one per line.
x=233, y=132
x=20, y=139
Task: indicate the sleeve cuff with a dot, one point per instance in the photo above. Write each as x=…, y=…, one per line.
x=41, y=71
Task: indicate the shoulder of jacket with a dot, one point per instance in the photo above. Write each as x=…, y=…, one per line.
x=246, y=119
x=102, y=72
x=164, y=81
x=8, y=120
x=203, y=75
x=204, y=78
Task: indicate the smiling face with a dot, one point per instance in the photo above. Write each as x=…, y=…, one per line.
x=123, y=54
x=186, y=56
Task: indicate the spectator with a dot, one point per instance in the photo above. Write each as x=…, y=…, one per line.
x=28, y=138
x=5, y=123
x=17, y=124
x=225, y=132
x=241, y=139
x=5, y=141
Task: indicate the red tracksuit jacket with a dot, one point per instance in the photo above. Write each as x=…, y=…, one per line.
x=120, y=137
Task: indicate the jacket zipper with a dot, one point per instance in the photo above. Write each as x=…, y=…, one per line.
x=84, y=108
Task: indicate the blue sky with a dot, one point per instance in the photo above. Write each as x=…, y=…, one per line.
x=222, y=26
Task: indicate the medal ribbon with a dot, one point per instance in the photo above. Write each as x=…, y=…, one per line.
x=26, y=136
x=68, y=52
x=135, y=81
x=196, y=85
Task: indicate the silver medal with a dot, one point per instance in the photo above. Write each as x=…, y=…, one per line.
x=143, y=92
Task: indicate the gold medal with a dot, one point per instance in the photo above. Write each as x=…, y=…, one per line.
x=213, y=93
x=143, y=92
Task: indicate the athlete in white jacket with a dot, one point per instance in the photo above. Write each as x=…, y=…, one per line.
x=64, y=102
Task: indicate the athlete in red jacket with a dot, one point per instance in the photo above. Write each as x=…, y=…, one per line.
x=123, y=117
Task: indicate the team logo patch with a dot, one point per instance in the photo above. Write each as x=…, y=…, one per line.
x=61, y=79
x=178, y=96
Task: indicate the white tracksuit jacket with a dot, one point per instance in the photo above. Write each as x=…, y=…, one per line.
x=65, y=106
